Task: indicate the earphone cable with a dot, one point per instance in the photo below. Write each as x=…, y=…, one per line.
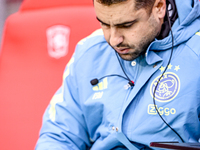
x=113, y=75
x=160, y=79
x=122, y=67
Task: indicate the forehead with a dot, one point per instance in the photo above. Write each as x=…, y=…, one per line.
x=116, y=13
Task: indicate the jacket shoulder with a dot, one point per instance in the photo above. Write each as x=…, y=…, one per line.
x=92, y=40
x=93, y=46
x=194, y=43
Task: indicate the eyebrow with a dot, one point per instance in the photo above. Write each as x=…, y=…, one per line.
x=120, y=24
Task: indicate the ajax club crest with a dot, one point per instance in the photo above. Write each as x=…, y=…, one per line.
x=167, y=88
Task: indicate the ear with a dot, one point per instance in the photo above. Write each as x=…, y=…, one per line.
x=159, y=8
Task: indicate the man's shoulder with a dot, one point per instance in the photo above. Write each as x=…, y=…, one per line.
x=93, y=45
x=93, y=39
x=194, y=43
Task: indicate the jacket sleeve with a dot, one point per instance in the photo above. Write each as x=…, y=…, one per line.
x=63, y=124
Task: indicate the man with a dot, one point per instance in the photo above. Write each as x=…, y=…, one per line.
x=144, y=80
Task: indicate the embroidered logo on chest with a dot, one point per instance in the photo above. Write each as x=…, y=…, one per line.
x=167, y=89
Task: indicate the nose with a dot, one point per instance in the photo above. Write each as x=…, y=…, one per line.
x=115, y=37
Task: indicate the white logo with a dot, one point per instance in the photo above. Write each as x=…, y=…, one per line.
x=97, y=95
x=58, y=41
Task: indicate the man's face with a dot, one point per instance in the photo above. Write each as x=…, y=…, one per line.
x=127, y=30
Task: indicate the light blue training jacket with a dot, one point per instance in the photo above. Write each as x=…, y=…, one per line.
x=113, y=115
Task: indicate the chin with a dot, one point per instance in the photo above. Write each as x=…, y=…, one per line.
x=128, y=57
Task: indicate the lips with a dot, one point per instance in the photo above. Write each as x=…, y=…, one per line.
x=122, y=50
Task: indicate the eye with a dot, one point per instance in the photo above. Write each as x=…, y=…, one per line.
x=126, y=25
x=105, y=25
